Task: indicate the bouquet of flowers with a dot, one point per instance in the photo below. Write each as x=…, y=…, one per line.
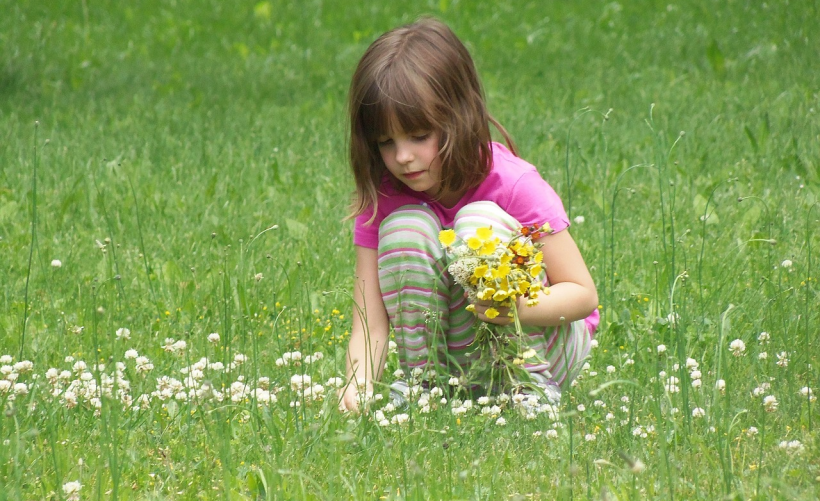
x=501, y=272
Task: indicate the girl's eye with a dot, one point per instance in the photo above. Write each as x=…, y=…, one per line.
x=421, y=137
x=384, y=142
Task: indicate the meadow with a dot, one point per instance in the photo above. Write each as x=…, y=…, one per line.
x=176, y=271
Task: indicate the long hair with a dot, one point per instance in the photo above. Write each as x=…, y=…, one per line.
x=419, y=77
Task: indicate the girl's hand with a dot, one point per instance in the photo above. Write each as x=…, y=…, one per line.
x=349, y=399
x=504, y=316
x=350, y=395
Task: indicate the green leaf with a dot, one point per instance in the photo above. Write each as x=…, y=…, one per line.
x=716, y=59
x=296, y=229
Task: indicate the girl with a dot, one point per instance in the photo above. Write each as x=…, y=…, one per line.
x=423, y=160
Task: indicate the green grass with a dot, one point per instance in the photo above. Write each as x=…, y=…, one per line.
x=172, y=133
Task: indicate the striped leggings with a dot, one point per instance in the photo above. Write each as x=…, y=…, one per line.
x=427, y=308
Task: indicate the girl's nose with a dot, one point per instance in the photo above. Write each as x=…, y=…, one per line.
x=403, y=154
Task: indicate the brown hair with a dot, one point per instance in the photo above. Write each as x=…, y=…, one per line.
x=419, y=77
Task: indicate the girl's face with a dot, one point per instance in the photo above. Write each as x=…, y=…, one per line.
x=414, y=159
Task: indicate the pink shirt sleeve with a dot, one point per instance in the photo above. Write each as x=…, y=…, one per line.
x=366, y=235
x=534, y=202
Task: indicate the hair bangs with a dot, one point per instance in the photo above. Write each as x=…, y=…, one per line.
x=396, y=101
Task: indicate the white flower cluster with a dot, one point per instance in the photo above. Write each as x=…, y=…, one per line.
x=792, y=447
x=295, y=359
x=173, y=346
x=807, y=393
x=737, y=347
x=84, y=388
x=72, y=490
x=11, y=385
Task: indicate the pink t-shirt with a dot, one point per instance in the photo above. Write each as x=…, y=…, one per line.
x=513, y=184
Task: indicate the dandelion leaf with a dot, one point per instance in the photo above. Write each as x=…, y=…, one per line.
x=716, y=59
x=705, y=211
x=296, y=230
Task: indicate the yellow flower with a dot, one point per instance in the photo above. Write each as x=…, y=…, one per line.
x=502, y=271
x=474, y=243
x=480, y=271
x=447, y=237
x=486, y=294
x=546, y=228
x=506, y=258
x=523, y=285
x=535, y=270
x=539, y=256
x=470, y=308
x=491, y=313
x=487, y=248
x=484, y=233
x=500, y=296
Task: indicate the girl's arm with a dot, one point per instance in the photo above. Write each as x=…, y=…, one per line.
x=367, y=349
x=572, y=291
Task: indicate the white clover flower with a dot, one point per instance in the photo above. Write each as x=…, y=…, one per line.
x=762, y=355
x=738, y=347
x=23, y=366
x=392, y=347
x=793, y=447
x=609, y=416
x=335, y=382
x=123, y=333
x=696, y=383
x=786, y=263
x=763, y=338
x=807, y=392
x=453, y=381
x=637, y=467
x=720, y=384
x=579, y=219
x=400, y=419
x=383, y=423
x=610, y=369
x=783, y=359
x=56, y=263
x=417, y=372
x=459, y=410
x=581, y=408
x=72, y=490
x=661, y=349
x=770, y=403
x=698, y=412
x=131, y=354
x=752, y=431
x=143, y=364
x=501, y=421
x=483, y=400
x=593, y=344
x=695, y=374
x=258, y=277
x=214, y=338
x=590, y=437
x=300, y=381
x=629, y=361
x=551, y=433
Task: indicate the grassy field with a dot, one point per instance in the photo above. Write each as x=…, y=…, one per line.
x=173, y=170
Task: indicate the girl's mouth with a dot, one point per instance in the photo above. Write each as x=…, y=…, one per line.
x=413, y=175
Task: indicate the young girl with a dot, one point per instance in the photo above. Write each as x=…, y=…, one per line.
x=423, y=161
